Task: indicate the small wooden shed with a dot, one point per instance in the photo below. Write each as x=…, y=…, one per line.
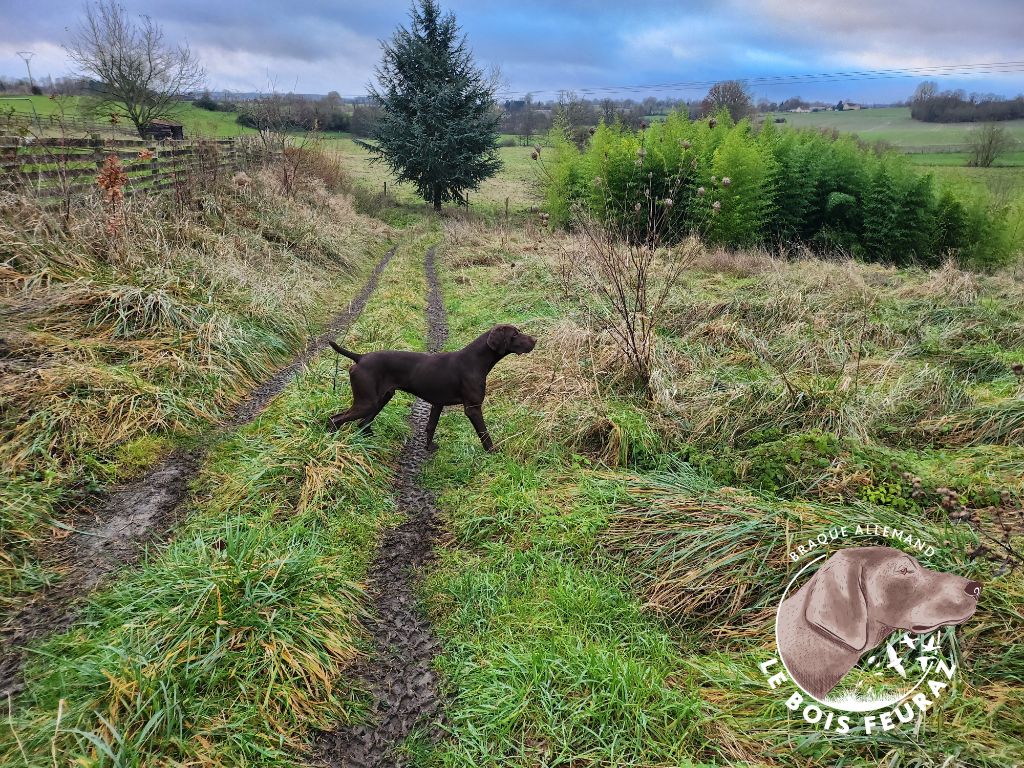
x=165, y=129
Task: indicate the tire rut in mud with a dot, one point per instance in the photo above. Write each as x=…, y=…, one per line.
x=400, y=677
x=142, y=512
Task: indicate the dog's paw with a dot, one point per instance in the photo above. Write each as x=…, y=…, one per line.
x=331, y=426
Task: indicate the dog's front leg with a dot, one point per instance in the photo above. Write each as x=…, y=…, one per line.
x=435, y=414
x=475, y=413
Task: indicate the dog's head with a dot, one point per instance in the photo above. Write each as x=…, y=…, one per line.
x=869, y=586
x=507, y=339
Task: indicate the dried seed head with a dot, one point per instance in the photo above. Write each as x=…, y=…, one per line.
x=534, y=155
x=536, y=148
x=726, y=181
x=592, y=130
x=712, y=123
x=714, y=179
x=667, y=202
x=641, y=153
x=716, y=206
x=1018, y=369
x=597, y=181
x=637, y=207
x=686, y=144
x=643, y=125
x=701, y=191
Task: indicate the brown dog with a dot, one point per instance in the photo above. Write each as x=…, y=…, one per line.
x=854, y=601
x=443, y=378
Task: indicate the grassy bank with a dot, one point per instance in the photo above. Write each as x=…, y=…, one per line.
x=197, y=122
x=119, y=342
x=229, y=645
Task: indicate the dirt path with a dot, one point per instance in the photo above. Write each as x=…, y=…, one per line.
x=142, y=512
x=400, y=676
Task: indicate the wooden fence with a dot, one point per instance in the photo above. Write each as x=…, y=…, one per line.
x=15, y=122
x=57, y=168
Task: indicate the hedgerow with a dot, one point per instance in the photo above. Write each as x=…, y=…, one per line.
x=771, y=187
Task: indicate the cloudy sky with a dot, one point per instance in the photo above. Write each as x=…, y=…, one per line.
x=313, y=46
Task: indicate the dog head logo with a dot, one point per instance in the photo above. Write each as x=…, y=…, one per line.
x=854, y=602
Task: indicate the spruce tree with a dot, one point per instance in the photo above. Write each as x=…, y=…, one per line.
x=438, y=123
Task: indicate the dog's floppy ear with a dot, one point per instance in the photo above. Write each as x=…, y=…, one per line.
x=837, y=605
x=499, y=337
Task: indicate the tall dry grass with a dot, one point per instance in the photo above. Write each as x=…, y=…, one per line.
x=116, y=339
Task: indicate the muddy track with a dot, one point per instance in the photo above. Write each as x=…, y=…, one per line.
x=142, y=512
x=400, y=676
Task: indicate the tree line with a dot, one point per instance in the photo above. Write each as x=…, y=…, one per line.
x=931, y=105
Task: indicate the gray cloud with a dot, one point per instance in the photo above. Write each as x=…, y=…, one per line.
x=320, y=45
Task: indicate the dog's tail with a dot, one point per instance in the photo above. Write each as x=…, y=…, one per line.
x=355, y=356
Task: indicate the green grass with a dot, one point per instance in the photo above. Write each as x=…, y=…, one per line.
x=895, y=126
x=197, y=122
x=548, y=659
x=129, y=343
x=605, y=600
x=228, y=645
x=603, y=586
x=516, y=181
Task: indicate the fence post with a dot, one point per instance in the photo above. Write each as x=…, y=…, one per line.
x=506, y=209
x=97, y=149
x=385, y=189
x=154, y=167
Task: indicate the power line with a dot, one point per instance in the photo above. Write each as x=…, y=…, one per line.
x=26, y=56
x=945, y=70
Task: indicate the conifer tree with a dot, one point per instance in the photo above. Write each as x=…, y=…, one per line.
x=438, y=123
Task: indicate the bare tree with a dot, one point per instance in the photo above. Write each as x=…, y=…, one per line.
x=730, y=94
x=987, y=143
x=141, y=76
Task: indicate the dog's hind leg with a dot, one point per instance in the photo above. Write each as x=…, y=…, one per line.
x=364, y=425
x=363, y=401
x=356, y=412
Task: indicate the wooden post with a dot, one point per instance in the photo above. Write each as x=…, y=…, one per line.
x=154, y=167
x=506, y=209
x=385, y=189
x=97, y=149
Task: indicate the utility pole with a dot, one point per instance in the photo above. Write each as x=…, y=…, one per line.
x=26, y=56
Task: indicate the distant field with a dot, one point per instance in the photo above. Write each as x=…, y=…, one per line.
x=517, y=180
x=894, y=125
x=196, y=121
